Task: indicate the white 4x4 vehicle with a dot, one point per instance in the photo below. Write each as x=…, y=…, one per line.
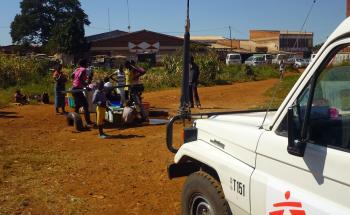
x=233, y=58
x=294, y=162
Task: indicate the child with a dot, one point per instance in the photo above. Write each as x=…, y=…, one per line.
x=281, y=69
x=100, y=100
x=20, y=98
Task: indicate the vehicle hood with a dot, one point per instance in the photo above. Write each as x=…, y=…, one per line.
x=235, y=134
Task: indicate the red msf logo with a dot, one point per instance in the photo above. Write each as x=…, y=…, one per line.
x=295, y=208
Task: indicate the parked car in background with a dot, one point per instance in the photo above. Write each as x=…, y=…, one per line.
x=267, y=58
x=233, y=58
x=307, y=60
x=277, y=59
x=297, y=62
x=254, y=60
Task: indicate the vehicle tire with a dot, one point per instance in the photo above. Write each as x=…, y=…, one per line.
x=74, y=119
x=203, y=195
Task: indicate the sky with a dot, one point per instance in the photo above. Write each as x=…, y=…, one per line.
x=208, y=17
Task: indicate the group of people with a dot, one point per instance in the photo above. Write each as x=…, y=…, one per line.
x=126, y=75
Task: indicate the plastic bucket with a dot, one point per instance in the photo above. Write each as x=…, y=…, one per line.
x=71, y=103
x=116, y=103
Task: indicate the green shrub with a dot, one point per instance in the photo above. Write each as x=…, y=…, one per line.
x=159, y=78
x=15, y=70
x=281, y=90
x=238, y=73
x=209, y=67
x=30, y=75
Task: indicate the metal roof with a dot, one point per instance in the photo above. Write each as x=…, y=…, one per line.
x=106, y=35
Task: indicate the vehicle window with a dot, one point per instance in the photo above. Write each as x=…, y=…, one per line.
x=329, y=122
x=269, y=57
x=234, y=57
x=299, y=108
x=330, y=118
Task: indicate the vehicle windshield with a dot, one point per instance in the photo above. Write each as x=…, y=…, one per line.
x=280, y=57
x=234, y=57
x=259, y=58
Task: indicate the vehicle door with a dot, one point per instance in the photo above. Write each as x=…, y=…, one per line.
x=319, y=182
x=249, y=61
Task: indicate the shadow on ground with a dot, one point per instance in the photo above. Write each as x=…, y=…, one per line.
x=9, y=114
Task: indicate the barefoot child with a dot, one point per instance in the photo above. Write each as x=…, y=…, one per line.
x=100, y=100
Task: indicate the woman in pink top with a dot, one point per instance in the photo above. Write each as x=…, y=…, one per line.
x=80, y=78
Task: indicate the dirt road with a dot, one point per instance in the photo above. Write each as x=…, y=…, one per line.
x=47, y=168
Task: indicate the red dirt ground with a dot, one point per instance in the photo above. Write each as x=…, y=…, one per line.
x=47, y=168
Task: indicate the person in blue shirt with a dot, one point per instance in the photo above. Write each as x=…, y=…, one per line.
x=99, y=98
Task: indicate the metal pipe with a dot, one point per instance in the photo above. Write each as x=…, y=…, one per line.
x=184, y=102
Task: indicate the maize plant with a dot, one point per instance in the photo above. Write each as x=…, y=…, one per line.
x=15, y=70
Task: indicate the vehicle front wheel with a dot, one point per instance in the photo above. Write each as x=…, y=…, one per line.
x=203, y=195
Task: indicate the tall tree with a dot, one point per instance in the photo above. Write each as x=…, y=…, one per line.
x=56, y=25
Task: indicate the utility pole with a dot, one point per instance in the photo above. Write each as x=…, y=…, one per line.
x=229, y=27
x=184, y=109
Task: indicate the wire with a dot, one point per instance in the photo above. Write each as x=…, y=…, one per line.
x=305, y=20
x=308, y=15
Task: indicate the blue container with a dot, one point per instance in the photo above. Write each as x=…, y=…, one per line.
x=116, y=104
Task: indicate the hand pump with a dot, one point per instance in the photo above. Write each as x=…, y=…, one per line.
x=184, y=109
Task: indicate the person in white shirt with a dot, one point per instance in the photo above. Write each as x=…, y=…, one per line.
x=120, y=79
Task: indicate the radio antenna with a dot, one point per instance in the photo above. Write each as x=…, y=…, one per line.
x=129, y=26
x=184, y=109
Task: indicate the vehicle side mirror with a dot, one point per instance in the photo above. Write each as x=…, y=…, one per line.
x=296, y=146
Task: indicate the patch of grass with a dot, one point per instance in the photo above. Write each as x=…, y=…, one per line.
x=36, y=87
x=158, y=77
x=237, y=73
x=281, y=90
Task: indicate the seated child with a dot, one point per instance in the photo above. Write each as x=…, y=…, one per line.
x=20, y=98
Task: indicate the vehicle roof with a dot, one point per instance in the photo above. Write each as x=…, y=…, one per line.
x=341, y=31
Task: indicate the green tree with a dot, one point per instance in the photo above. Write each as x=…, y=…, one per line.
x=56, y=25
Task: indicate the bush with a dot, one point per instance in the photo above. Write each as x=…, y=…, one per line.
x=159, y=78
x=16, y=70
x=238, y=73
x=30, y=75
x=209, y=67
